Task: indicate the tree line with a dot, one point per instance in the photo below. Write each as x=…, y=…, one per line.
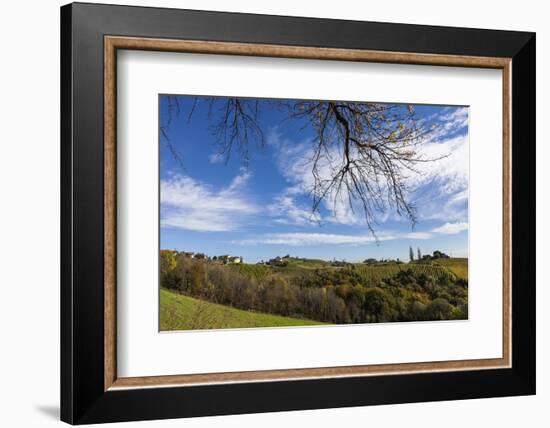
x=332, y=298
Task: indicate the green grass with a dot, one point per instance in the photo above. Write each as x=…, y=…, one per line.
x=459, y=266
x=304, y=263
x=258, y=272
x=179, y=312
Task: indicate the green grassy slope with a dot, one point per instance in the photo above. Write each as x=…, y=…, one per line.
x=459, y=266
x=179, y=312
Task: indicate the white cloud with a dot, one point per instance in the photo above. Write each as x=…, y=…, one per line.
x=298, y=239
x=450, y=164
x=439, y=189
x=304, y=239
x=286, y=210
x=342, y=212
x=451, y=228
x=294, y=162
x=454, y=120
x=189, y=204
x=450, y=121
x=417, y=235
x=216, y=158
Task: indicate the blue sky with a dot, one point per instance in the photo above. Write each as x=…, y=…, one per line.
x=262, y=209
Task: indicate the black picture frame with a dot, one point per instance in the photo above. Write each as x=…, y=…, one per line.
x=83, y=398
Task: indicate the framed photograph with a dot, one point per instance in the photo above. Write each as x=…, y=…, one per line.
x=266, y=213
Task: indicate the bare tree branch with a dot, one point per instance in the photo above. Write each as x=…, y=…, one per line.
x=362, y=155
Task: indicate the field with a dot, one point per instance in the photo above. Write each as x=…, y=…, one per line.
x=373, y=274
x=459, y=266
x=179, y=312
x=258, y=272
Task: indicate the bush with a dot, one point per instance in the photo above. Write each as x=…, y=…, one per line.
x=439, y=309
x=377, y=305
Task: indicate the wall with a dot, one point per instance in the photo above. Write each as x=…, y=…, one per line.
x=29, y=230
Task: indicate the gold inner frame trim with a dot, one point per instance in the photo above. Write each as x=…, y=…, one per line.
x=113, y=43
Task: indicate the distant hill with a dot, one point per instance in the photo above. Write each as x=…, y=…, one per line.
x=369, y=274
